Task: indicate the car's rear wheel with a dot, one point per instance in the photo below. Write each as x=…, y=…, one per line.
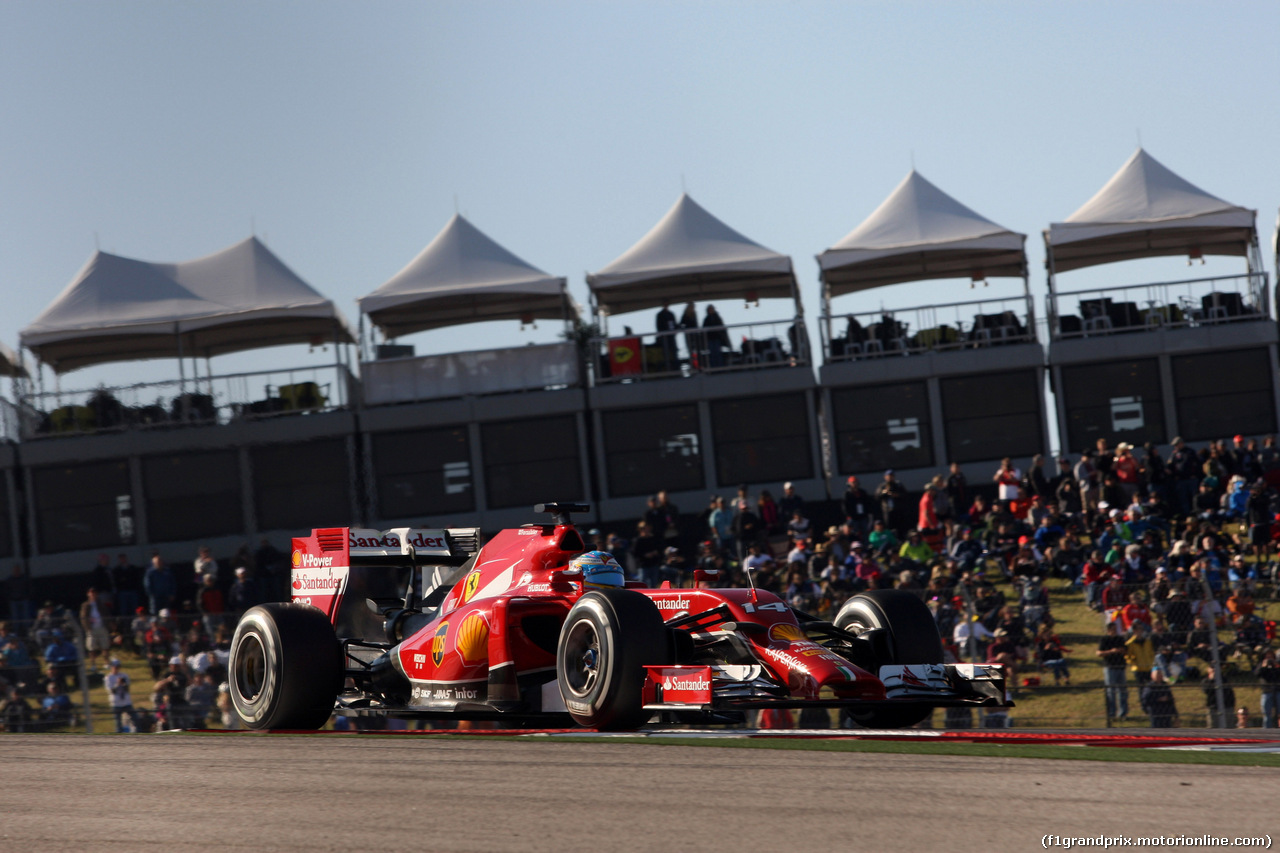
x=607, y=639
x=285, y=668
x=909, y=636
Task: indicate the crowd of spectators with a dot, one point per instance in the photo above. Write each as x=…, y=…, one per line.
x=1172, y=554
x=176, y=620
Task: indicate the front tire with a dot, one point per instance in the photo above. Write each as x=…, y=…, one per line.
x=285, y=668
x=910, y=636
x=607, y=639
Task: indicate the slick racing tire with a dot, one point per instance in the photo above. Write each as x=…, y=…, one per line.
x=606, y=641
x=911, y=636
x=285, y=668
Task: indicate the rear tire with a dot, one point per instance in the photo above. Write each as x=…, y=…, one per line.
x=911, y=637
x=285, y=668
x=607, y=639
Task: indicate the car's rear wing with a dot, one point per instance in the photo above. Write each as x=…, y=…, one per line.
x=322, y=562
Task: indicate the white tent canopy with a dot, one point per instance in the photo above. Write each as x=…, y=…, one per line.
x=463, y=276
x=919, y=233
x=1147, y=211
x=119, y=309
x=691, y=255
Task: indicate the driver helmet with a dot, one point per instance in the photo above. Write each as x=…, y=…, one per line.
x=599, y=569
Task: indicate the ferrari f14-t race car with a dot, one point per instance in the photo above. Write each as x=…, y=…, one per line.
x=412, y=623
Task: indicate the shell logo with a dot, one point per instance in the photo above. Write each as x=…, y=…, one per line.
x=786, y=633
x=470, y=585
x=297, y=558
x=437, y=643
x=472, y=639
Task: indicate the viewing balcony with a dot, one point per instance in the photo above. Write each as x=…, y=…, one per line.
x=929, y=328
x=180, y=402
x=737, y=348
x=1185, y=304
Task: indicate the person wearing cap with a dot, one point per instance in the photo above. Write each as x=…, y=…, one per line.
x=63, y=656
x=966, y=551
x=790, y=500
x=856, y=504
x=242, y=595
x=1125, y=469
x=117, y=684
x=890, y=493
x=170, y=694
x=672, y=568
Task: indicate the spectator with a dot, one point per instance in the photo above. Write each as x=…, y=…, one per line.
x=881, y=539
x=721, y=523
x=967, y=551
x=117, y=684
x=204, y=564
x=199, y=699
x=211, y=606
x=1008, y=480
x=128, y=583
x=93, y=622
x=715, y=336
x=791, y=500
x=768, y=512
x=1157, y=702
x=1213, y=719
x=1268, y=673
x=1111, y=648
x=890, y=493
x=957, y=488
x=799, y=527
x=160, y=584
x=1051, y=654
x=63, y=656
x=226, y=710
x=927, y=518
x=856, y=505
x=1140, y=652
x=55, y=708
x=666, y=326
x=16, y=713
x=243, y=594
x=170, y=695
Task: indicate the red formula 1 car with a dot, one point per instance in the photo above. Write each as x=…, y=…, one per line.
x=410, y=623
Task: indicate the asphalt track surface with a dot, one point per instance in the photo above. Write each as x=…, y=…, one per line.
x=182, y=792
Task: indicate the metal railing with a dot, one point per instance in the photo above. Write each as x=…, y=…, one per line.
x=1184, y=304
x=928, y=328
x=178, y=402
x=684, y=352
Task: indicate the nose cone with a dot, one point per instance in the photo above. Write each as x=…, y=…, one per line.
x=810, y=667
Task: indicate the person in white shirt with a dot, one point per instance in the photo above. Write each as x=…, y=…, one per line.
x=117, y=684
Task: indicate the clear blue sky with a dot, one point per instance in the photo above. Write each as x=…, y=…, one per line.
x=344, y=131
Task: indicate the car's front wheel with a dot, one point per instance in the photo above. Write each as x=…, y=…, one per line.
x=285, y=668
x=606, y=641
x=911, y=636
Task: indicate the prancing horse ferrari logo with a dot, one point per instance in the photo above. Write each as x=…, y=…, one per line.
x=437, y=643
x=470, y=585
